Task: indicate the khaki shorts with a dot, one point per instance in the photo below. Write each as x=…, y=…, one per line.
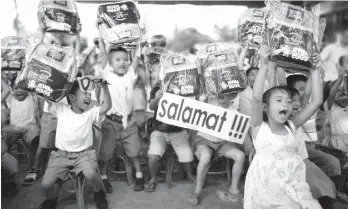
x=28, y=133
x=178, y=140
x=219, y=148
x=60, y=163
x=112, y=134
x=48, y=131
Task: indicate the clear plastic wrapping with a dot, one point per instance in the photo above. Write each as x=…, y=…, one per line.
x=49, y=71
x=222, y=75
x=293, y=35
x=59, y=16
x=120, y=22
x=179, y=74
x=13, y=53
x=203, y=50
x=250, y=26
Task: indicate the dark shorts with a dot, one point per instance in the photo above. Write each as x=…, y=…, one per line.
x=114, y=133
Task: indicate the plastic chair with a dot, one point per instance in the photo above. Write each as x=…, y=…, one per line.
x=78, y=181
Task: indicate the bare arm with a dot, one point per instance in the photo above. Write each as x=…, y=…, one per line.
x=137, y=55
x=281, y=77
x=153, y=104
x=103, y=53
x=272, y=74
x=106, y=106
x=257, y=109
x=307, y=93
x=242, y=56
x=5, y=90
x=311, y=108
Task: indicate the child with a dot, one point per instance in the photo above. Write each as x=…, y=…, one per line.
x=162, y=134
x=339, y=117
x=276, y=177
x=9, y=168
x=206, y=145
x=120, y=123
x=24, y=117
x=74, y=141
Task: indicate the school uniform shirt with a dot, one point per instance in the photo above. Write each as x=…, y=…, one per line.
x=233, y=105
x=23, y=112
x=74, y=131
x=121, y=91
x=246, y=98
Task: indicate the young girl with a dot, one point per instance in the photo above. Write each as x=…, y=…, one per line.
x=277, y=176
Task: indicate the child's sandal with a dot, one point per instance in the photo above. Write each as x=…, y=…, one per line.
x=194, y=199
x=228, y=197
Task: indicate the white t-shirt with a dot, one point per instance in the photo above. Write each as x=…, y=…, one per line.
x=338, y=120
x=246, y=98
x=23, y=112
x=302, y=149
x=121, y=91
x=309, y=130
x=45, y=108
x=74, y=131
x=330, y=56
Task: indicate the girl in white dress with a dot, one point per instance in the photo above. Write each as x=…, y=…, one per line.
x=276, y=178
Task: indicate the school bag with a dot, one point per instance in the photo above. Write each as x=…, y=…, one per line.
x=120, y=22
x=293, y=34
x=49, y=71
x=222, y=75
x=179, y=74
x=59, y=16
x=13, y=53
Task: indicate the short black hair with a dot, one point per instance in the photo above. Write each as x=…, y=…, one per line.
x=74, y=87
x=250, y=69
x=341, y=60
x=117, y=49
x=291, y=80
x=292, y=91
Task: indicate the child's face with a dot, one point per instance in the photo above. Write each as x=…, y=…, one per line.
x=300, y=86
x=296, y=104
x=81, y=99
x=20, y=94
x=119, y=62
x=279, y=108
x=252, y=76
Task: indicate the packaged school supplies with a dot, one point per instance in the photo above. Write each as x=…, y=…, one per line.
x=203, y=50
x=180, y=74
x=222, y=75
x=120, y=22
x=13, y=53
x=49, y=71
x=250, y=25
x=59, y=16
x=293, y=35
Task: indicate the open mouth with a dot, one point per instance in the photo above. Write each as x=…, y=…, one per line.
x=283, y=113
x=87, y=102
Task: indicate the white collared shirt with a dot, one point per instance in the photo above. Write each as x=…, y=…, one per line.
x=121, y=91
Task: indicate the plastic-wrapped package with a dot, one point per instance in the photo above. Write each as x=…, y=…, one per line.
x=342, y=93
x=179, y=74
x=250, y=26
x=222, y=75
x=203, y=50
x=13, y=53
x=49, y=71
x=59, y=16
x=120, y=22
x=293, y=34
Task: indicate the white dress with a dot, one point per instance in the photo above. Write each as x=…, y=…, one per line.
x=276, y=178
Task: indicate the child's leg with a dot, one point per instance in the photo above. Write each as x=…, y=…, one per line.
x=158, y=145
x=203, y=153
x=9, y=168
x=237, y=169
x=31, y=135
x=182, y=148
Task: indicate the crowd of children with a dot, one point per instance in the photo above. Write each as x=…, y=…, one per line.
x=291, y=164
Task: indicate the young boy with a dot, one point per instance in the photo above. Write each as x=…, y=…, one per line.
x=206, y=145
x=120, y=124
x=24, y=117
x=74, y=141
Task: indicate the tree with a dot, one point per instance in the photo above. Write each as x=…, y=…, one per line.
x=226, y=33
x=186, y=39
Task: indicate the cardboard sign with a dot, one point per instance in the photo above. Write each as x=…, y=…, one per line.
x=188, y=113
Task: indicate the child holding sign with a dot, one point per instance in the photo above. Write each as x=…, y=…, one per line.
x=277, y=174
x=206, y=145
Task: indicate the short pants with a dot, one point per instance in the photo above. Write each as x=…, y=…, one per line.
x=9, y=164
x=48, y=131
x=178, y=140
x=28, y=133
x=112, y=133
x=219, y=148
